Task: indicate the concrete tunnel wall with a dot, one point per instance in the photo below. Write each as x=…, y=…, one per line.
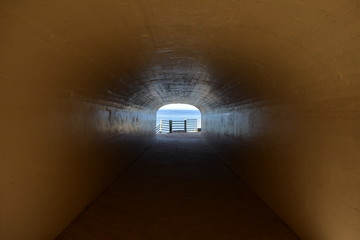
x=277, y=83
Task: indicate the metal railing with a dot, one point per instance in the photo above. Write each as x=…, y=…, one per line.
x=171, y=126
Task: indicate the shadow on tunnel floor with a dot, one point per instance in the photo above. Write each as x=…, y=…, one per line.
x=178, y=189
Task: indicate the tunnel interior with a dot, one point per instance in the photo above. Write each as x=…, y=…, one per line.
x=277, y=83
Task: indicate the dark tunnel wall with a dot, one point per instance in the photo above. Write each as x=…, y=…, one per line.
x=277, y=83
x=57, y=158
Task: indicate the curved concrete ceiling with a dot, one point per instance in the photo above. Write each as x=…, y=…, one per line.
x=206, y=53
x=277, y=81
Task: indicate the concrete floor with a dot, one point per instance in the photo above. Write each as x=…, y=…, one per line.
x=177, y=190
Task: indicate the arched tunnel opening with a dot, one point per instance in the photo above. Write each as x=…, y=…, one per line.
x=178, y=118
x=277, y=83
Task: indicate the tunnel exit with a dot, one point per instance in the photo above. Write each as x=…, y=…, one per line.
x=172, y=118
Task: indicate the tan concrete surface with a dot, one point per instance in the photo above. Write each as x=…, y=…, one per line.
x=277, y=82
x=179, y=190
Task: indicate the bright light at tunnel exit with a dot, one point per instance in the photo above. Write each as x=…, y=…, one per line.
x=178, y=118
x=178, y=106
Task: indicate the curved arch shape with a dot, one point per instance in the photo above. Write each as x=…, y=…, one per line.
x=178, y=118
x=277, y=81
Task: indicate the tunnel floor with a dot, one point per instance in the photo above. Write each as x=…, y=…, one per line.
x=177, y=189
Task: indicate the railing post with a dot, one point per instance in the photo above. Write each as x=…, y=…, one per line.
x=170, y=126
x=185, y=125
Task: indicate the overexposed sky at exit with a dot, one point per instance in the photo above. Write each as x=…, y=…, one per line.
x=178, y=106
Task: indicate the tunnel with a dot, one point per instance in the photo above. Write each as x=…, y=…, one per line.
x=277, y=83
